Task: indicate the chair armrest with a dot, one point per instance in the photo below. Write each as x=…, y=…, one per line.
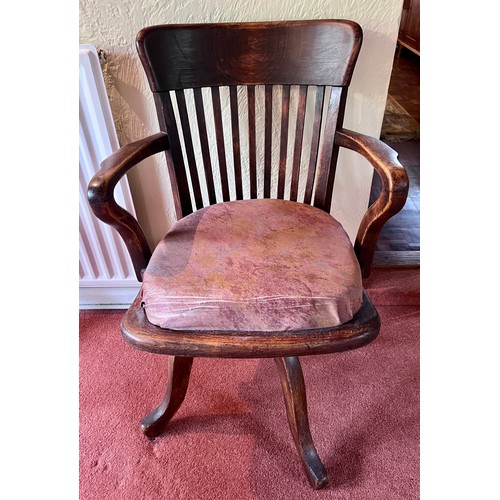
x=101, y=195
x=392, y=198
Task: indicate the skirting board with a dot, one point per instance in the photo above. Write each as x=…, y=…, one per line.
x=109, y=297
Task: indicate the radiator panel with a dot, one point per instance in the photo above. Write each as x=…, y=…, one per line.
x=107, y=277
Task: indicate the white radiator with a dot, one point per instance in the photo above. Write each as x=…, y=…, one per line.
x=107, y=278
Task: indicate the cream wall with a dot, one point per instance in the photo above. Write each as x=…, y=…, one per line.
x=113, y=24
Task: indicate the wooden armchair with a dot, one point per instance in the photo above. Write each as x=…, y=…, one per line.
x=255, y=266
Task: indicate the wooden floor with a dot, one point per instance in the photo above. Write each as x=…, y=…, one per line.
x=405, y=82
x=399, y=240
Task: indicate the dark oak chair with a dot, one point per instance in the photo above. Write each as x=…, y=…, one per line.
x=255, y=266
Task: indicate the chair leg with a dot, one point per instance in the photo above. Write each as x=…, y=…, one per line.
x=294, y=391
x=179, y=369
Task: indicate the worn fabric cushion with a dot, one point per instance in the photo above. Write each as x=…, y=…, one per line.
x=253, y=265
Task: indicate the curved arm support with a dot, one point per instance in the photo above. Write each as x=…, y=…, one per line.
x=102, y=201
x=392, y=198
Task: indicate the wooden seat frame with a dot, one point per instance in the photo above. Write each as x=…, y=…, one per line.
x=179, y=57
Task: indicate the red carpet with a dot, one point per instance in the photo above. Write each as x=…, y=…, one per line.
x=230, y=439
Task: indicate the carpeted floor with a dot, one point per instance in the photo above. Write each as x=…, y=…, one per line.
x=230, y=439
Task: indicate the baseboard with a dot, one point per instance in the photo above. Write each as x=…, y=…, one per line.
x=108, y=297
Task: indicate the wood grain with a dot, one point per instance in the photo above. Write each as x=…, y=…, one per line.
x=313, y=156
x=179, y=370
x=299, y=135
x=188, y=145
x=219, y=137
x=285, y=113
x=205, y=147
x=395, y=185
x=252, y=146
x=175, y=160
x=141, y=334
x=235, y=131
x=315, y=52
x=294, y=392
x=104, y=206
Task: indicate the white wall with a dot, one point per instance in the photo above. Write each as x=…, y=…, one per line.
x=113, y=25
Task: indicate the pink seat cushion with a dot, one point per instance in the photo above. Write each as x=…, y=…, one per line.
x=253, y=265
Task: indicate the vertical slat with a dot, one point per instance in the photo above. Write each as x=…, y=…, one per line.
x=268, y=117
x=175, y=160
x=318, y=111
x=252, y=142
x=335, y=150
x=219, y=135
x=285, y=112
x=328, y=154
x=188, y=144
x=235, y=127
x=299, y=134
x=205, y=149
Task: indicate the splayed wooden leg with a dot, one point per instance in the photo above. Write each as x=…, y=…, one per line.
x=294, y=391
x=179, y=369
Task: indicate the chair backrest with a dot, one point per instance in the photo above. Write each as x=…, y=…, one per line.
x=263, y=93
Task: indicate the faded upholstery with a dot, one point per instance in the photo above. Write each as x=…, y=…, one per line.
x=253, y=265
